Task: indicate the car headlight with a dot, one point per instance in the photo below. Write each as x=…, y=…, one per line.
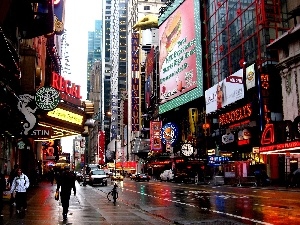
x=104, y=179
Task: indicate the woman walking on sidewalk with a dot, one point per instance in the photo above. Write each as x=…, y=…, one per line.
x=20, y=185
x=66, y=181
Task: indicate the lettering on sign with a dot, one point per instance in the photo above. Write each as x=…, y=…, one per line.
x=235, y=115
x=66, y=86
x=66, y=115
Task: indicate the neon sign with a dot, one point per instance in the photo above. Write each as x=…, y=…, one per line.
x=235, y=115
x=292, y=144
x=66, y=115
x=66, y=86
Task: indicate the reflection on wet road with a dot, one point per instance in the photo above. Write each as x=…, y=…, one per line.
x=192, y=203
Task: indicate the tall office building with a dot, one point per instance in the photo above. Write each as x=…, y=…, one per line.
x=94, y=51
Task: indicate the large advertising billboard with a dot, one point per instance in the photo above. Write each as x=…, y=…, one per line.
x=227, y=91
x=180, y=60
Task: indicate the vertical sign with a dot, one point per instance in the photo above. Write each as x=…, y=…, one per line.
x=101, y=147
x=135, y=52
x=135, y=104
x=155, y=139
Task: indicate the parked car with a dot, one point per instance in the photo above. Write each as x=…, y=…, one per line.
x=98, y=176
x=167, y=175
x=142, y=177
x=117, y=176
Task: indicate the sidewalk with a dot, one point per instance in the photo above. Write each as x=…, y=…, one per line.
x=86, y=208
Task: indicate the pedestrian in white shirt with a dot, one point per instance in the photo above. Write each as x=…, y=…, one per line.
x=20, y=185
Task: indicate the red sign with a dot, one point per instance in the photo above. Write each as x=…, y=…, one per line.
x=235, y=115
x=126, y=165
x=135, y=66
x=155, y=139
x=287, y=145
x=101, y=147
x=66, y=86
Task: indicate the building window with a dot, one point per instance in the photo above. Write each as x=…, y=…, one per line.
x=146, y=7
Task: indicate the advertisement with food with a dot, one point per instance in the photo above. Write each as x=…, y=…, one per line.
x=177, y=60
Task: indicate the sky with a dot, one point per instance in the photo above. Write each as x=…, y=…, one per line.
x=80, y=18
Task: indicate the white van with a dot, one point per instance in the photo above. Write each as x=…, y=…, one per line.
x=167, y=175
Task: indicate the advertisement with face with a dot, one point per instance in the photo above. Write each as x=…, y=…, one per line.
x=228, y=91
x=177, y=60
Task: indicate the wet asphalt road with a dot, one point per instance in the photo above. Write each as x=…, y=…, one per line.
x=161, y=203
x=194, y=204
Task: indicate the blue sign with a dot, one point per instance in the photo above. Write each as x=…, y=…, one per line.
x=169, y=133
x=217, y=160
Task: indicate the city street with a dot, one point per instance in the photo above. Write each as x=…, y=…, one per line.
x=191, y=204
x=157, y=202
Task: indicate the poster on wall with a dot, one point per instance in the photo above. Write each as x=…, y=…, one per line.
x=227, y=91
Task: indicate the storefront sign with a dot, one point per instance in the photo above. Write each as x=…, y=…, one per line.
x=155, y=139
x=235, y=115
x=47, y=98
x=135, y=105
x=287, y=145
x=135, y=65
x=66, y=86
x=227, y=138
x=25, y=107
x=243, y=142
x=21, y=145
x=217, y=160
x=66, y=115
x=169, y=133
x=45, y=132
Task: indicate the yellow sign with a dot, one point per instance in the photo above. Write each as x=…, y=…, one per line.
x=66, y=115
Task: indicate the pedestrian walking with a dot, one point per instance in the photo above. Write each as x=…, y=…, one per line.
x=19, y=186
x=66, y=182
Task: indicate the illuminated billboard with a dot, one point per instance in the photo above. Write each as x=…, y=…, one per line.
x=227, y=91
x=180, y=59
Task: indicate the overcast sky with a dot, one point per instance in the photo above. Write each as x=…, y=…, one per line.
x=80, y=18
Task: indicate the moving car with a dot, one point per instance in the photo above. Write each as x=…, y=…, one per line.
x=98, y=176
x=142, y=177
x=167, y=175
x=117, y=176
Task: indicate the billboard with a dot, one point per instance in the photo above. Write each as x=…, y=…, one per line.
x=180, y=58
x=227, y=91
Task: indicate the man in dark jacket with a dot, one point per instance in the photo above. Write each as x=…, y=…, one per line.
x=66, y=181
